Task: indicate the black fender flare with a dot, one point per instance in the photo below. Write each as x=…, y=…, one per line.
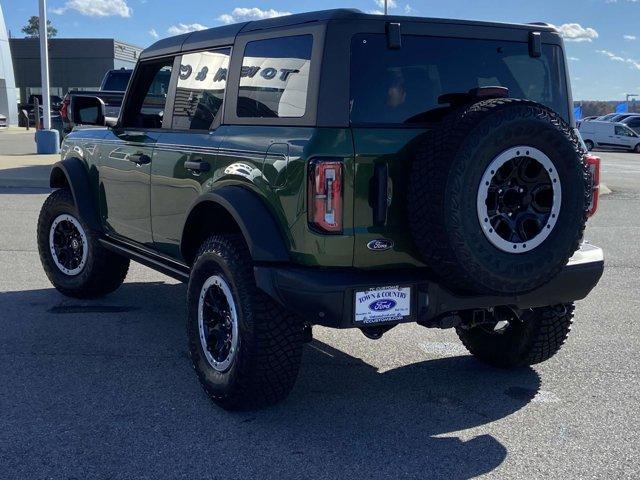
x=258, y=226
x=73, y=173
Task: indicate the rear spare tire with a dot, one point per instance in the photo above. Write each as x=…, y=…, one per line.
x=498, y=197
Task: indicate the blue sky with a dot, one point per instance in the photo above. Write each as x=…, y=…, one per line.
x=602, y=36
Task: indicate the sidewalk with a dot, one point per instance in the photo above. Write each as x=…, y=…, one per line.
x=20, y=166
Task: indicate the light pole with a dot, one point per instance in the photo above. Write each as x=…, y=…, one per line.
x=47, y=140
x=44, y=65
x=631, y=95
x=385, y=7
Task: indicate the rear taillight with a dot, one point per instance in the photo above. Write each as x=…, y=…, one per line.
x=593, y=164
x=64, y=108
x=325, y=195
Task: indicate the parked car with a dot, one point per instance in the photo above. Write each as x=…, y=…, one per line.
x=3, y=121
x=622, y=116
x=585, y=119
x=616, y=136
x=606, y=118
x=340, y=169
x=633, y=123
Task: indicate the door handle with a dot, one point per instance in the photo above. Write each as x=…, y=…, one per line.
x=139, y=158
x=197, y=165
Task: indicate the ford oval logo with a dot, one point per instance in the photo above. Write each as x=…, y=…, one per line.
x=382, y=305
x=379, y=245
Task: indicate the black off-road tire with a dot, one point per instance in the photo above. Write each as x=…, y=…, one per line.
x=444, y=184
x=536, y=338
x=103, y=272
x=269, y=349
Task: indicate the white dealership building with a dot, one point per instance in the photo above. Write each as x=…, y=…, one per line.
x=8, y=100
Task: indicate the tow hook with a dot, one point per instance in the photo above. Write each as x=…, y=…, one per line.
x=375, y=333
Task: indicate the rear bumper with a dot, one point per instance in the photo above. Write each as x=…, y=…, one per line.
x=326, y=296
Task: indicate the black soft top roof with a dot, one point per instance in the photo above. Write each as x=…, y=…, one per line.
x=225, y=35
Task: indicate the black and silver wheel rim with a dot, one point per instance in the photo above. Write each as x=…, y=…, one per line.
x=68, y=244
x=519, y=199
x=218, y=323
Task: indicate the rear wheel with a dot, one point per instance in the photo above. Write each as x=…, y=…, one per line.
x=71, y=254
x=512, y=341
x=589, y=144
x=636, y=149
x=245, y=348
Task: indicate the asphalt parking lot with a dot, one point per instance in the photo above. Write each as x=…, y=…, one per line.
x=104, y=389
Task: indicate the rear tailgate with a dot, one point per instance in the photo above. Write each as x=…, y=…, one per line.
x=396, y=95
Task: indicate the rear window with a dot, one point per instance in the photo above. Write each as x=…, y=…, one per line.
x=116, y=81
x=402, y=86
x=274, y=77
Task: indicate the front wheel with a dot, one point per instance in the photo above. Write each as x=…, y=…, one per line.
x=589, y=144
x=71, y=254
x=636, y=149
x=245, y=348
x=533, y=337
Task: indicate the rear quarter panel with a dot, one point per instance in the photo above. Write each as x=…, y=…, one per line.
x=272, y=161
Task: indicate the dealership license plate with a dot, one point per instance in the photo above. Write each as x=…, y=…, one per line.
x=382, y=305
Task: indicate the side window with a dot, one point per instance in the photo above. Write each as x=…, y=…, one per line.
x=200, y=90
x=275, y=77
x=148, y=95
x=623, y=131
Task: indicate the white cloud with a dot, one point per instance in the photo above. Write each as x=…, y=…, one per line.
x=629, y=38
x=154, y=34
x=243, y=14
x=611, y=55
x=185, y=28
x=574, y=59
x=635, y=64
x=96, y=8
x=408, y=9
x=574, y=32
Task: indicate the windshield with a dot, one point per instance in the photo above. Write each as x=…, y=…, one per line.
x=116, y=81
x=400, y=86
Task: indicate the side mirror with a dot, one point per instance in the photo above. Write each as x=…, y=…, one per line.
x=86, y=110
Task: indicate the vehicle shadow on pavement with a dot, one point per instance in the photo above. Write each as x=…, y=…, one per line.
x=24, y=177
x=104, y=389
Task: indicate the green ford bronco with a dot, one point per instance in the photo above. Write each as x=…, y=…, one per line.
x=338, y=169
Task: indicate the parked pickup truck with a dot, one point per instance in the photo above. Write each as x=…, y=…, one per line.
x=340, y=169
x=111, y=93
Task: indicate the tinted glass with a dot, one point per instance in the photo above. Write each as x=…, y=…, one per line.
x=275, y=77
x=200, y=90
x=147, y=96
x=403, y=85
x=117, y=81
